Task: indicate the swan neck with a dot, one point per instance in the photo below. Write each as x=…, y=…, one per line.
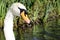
x=9, y=15
x=8, y=22
x=8, y=26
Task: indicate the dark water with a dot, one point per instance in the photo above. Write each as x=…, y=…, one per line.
x=31, y=36
x=2, y=35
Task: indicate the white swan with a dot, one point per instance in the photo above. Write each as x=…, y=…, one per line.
x=17, y=9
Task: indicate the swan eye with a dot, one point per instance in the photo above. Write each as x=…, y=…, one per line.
x=21, y=10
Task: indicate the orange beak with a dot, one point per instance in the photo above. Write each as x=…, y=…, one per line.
x=25, y=17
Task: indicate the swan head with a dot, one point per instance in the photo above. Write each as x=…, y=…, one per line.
x=19, y=9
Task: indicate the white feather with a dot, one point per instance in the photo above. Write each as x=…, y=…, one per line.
x=8, y=21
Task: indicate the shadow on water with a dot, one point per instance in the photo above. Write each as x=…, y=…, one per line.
x=28, y=36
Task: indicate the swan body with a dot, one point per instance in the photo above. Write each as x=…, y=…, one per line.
x=14, y=10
